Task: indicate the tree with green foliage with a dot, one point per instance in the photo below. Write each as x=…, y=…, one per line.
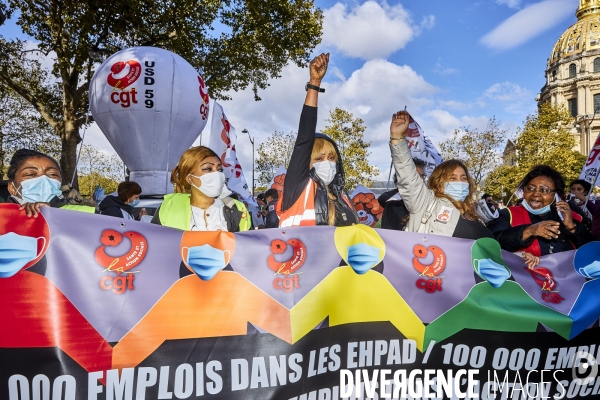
x=234, y=44
x=545, y=138
x=97, y=168
x=478, y=149
x=272, y=153
x=21, y=126
x=348, y=132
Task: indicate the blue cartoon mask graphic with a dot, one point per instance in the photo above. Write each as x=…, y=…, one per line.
x=496, y=274
x=591, y=271
x=362, y=257
x=15, y=252
x=206, y=261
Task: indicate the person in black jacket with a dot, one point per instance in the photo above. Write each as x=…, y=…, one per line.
x=394, y=211
x=272, y=220
x=121, y=206
x=313, y=191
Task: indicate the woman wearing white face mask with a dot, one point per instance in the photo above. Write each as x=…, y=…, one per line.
x=313, y=192
x=34, y=181
x=445, y=205
x=195, y=205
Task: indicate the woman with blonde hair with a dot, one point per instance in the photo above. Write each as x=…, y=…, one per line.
x=445, y=205
x=313, y=191
x=195, y=205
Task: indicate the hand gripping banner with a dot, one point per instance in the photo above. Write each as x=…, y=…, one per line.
x=95, y=307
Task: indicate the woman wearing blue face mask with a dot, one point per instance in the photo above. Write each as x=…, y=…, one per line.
x=540, y=225
x=445, y=204
x=121, y=205
x=34, y=181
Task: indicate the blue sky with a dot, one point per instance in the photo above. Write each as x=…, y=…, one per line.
x=452, y=62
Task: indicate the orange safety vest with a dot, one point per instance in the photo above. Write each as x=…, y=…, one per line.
x=302, y=212
x=520, y=216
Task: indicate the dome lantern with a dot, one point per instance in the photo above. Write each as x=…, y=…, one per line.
x=587, y=7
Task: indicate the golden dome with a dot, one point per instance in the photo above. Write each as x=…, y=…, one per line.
x=582, y=35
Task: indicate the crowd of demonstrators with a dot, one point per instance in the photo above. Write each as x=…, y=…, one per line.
x=313, y=190
x=122, y=205
x=544, y=221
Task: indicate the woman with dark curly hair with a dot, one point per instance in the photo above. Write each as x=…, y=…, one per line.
x=540, y=225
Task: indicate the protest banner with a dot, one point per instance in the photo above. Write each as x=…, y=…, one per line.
x=95, y=307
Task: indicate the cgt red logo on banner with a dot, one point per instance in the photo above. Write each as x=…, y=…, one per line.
x=430, y=282
x=120, y=265
x=288, y=268
x=124, y=74
x=543, y=277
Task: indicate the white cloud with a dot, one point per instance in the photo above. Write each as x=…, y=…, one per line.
x=370, y=30
x=528, y=23
x=510, y=3
x=371, y=93
x=514, y=98
x=441, y=70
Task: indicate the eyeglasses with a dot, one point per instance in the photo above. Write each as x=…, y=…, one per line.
x=540, y=189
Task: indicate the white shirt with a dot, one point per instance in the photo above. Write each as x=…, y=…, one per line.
x=211, y=219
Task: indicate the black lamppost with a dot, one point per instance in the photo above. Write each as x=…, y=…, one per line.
x=251, y=141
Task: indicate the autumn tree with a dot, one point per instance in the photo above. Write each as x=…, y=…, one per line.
x=233, y=44
x=478, y=149
x=21, y=126
x=273, y=152
x=348, y=132
x=97, y=168
x=545, y=138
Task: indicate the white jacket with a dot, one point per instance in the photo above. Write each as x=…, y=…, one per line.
x=428, y=213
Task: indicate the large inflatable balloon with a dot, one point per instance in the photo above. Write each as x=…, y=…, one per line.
x=151, y=105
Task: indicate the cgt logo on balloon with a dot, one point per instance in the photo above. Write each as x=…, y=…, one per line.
x=120, y=265
x=122, y=75
x=288, y=268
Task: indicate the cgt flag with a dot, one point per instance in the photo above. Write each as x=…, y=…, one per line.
x=222, y=141
x=589, y=173
x=421, y=147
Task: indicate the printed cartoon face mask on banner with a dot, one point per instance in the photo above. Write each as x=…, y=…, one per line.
x=40, y=189
x=206, y=261
x=591, y=271
x=211, y=184
x=457, y=190
x=362, y=257
x=151, y=105
x=325, y=170
x=496, y=274
x=15, y=252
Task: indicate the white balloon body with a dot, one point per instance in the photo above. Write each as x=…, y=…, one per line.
x=151, y=105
